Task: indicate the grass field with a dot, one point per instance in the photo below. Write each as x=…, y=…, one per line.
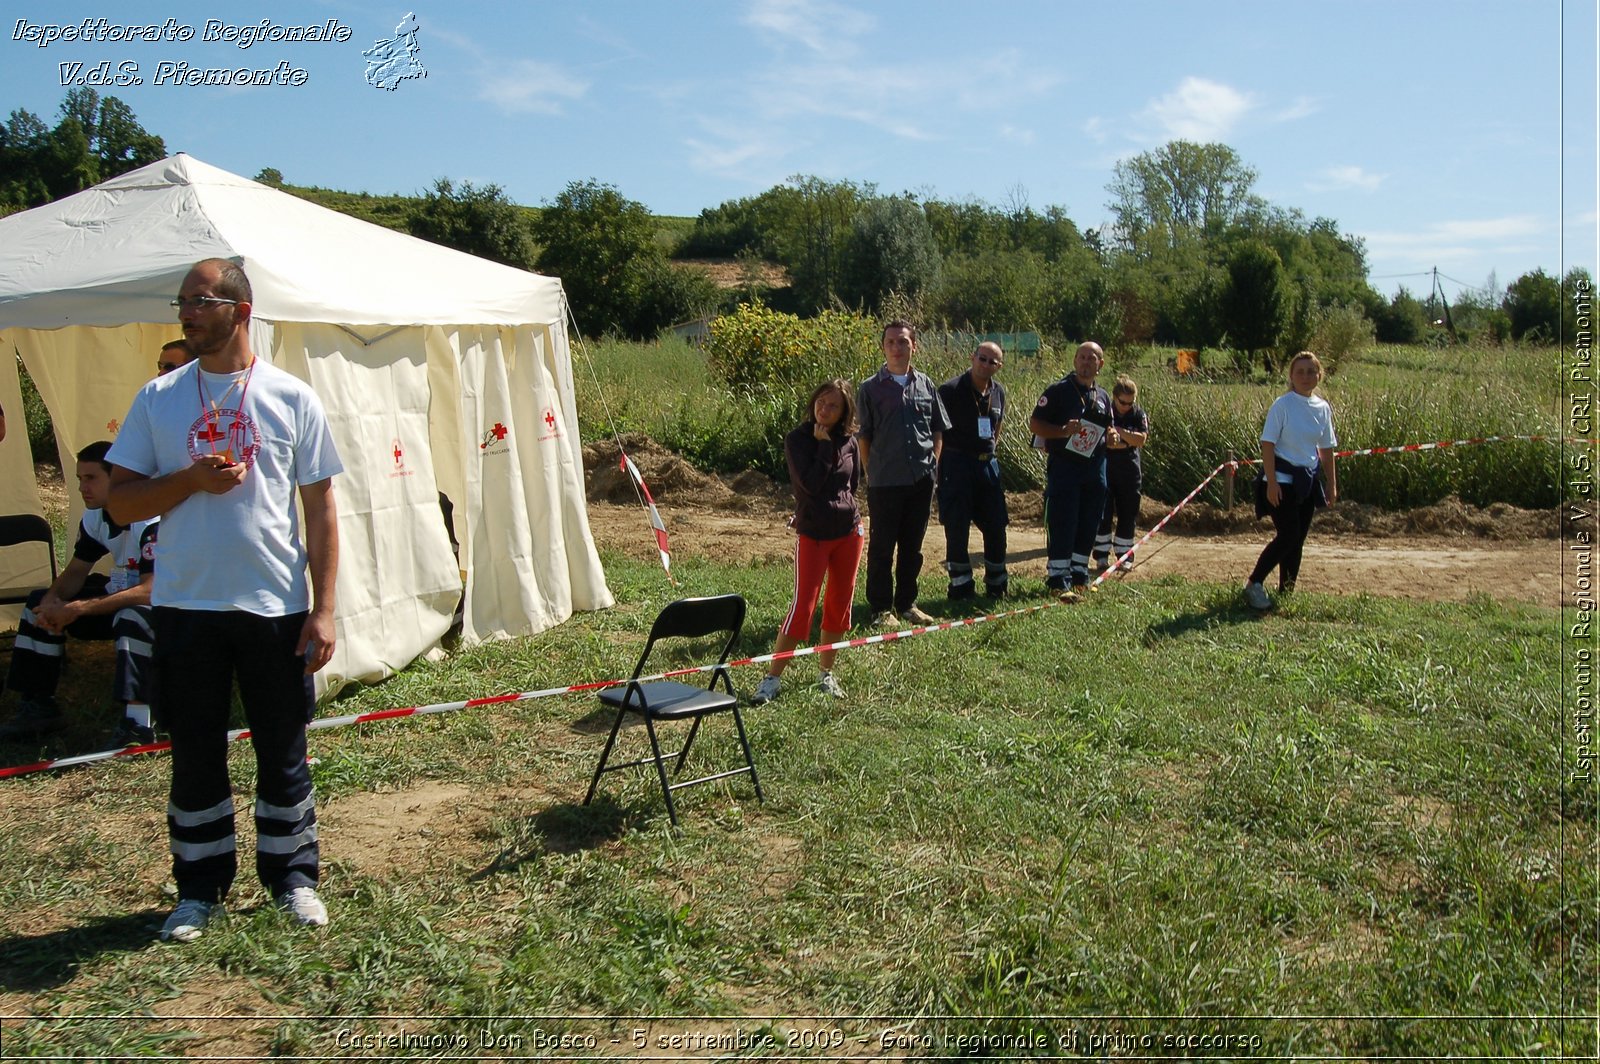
x=1387, y=397
x=1341, y=830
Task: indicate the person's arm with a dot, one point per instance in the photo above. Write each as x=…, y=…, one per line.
x=811, y=461
x=57, y=610
x=136, y=497
x=322, y=553
x=1330, y=474
x=1269, y=470
x=1047, y=430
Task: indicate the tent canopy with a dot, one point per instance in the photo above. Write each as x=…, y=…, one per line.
x=443, y=375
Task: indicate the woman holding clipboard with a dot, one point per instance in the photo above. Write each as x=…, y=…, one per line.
x=1072, y=419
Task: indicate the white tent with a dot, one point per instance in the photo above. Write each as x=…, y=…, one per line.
x=441, y=372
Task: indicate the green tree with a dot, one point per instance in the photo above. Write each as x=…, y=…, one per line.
x=479, y=220
x=1176, y=193
x=603, y=247
x=1402, y=320
x=891, y=249
x=1534, y=304
x=1255, y=299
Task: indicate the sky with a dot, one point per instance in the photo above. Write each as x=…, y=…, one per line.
x=1457, y=137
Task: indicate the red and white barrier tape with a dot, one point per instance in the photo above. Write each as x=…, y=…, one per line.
x=323, y=723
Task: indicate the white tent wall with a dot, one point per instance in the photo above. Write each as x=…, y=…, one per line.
x=86, y=377
x=19, y=492
x=528, y=550
x=398, y=583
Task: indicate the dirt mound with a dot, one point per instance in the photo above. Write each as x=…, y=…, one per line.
x=674, y=480
x=671, y=479
x=1447, y=517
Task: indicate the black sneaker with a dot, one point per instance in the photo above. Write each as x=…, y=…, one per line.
x=34, y=717
x=961, y=591
x=1056, y=583
x=996, y=590
x=130, y=734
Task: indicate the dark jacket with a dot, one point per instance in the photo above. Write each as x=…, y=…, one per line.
x=824, y=475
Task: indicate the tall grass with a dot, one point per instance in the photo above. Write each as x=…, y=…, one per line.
x=1387, y=397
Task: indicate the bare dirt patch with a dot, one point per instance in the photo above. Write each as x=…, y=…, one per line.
x=1449, y=552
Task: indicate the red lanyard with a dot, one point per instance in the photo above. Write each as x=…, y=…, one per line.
x=215, y=411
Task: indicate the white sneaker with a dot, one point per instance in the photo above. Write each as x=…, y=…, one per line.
x=304, y=907
x=1256, y=596
x=188, y=920
x=766, y=691
x=830, y=686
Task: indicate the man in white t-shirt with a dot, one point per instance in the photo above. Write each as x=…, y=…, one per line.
x=219, y=449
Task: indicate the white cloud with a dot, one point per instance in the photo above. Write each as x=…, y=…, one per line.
x=1457, y=240
x=1299, y=107
x=824, y=28
x=1199, y=110
x=1014, y=135
x=529, y=87
x=1338, y=178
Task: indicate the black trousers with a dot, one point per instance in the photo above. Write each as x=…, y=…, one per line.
x=199, y=654
x=970, y=493
x=899, y=521
x=37, y=656
x=1292, y=521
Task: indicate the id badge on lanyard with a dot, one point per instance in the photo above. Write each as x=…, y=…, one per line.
x=985, y=427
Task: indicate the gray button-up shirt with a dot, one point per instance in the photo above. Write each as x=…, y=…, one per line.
x=898, y=423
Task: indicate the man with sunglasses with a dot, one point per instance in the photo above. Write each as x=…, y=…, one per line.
x=175, y=354
x=221, y=452
x=969, y=474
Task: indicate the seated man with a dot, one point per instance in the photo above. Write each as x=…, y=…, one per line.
x=86, y=605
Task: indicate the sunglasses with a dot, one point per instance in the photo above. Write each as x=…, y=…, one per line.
x=987, y=361
x=166, y=367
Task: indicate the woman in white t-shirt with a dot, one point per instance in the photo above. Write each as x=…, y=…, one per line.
x=1297, y=443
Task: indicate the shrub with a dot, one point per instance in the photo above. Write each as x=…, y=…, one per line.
x=1339, y=334
x=759, y=348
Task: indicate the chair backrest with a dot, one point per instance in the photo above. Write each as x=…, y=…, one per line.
x=695, y=617
x=17, y=529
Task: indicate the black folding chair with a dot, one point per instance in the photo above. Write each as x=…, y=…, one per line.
x=18, y=530
x=667, y=700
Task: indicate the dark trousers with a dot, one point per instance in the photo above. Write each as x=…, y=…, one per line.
x=1292, y=521
x=1121, y=515
x=199, y=653
x=970, y=493
x=37, y=655
x=899, y=521
x=1074, y=496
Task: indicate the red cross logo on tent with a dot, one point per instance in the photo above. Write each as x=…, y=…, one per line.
x=550, y=418
x=494, y=435
x=113, y=426
x=399, y=454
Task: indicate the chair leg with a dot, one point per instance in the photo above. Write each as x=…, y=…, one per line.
x=738, y=722
x=605, y=754
x=683, y=755
x=661, y=771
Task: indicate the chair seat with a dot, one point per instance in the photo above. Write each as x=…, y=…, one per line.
x=670, y=700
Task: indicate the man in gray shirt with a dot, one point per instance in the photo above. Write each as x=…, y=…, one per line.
x=902, y=431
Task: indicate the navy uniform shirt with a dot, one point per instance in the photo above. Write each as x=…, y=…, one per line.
x=1067, y=400
x=964, y=406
